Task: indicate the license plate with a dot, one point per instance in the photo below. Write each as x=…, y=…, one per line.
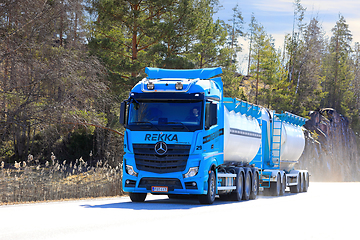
x=159, y=189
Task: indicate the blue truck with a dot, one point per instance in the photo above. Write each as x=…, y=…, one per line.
x=183, y=137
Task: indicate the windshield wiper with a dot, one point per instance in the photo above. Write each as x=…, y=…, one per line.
x=184, y=126
x=152, y=125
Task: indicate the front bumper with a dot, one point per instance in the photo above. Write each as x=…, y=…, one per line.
x=174, y=183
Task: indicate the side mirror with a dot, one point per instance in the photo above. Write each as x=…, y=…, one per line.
x=123, y=114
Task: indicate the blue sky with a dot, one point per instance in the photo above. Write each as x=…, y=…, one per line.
x=277, y=15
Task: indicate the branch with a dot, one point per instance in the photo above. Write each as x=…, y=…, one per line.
x=117, y=52
x=114, y=39
x=93, y=125
x=161, y=37
x=36, y=16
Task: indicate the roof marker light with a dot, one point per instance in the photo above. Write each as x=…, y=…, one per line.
x=178, y=86
x=150, y=86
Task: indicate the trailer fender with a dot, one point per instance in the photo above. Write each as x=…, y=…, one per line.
x=294, y=172
x=274, y=174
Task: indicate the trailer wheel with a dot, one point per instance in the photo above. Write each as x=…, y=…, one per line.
x=296, y=189
x=237, y=195
x=209, y=198
x=283, y=185
x=302, y=183
x=306, y=182
x=138, y=197
x=275, y=187
x=255, y=187
x=247, y=186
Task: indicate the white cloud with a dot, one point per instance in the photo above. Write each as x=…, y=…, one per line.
x=333, y=6
x=354, y=26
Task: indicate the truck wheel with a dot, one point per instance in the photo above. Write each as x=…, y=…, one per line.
x=255, y=187
x=138, y=197
x=247, y=187
x=237, y=195
x=275, y=187
x=283, y=185
x=302, y=183
x=209, y=198
x=296, y=189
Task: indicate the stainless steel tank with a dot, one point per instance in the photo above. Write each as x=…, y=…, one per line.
x=242, y=137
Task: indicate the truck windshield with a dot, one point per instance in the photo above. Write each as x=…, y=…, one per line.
x=166, y=116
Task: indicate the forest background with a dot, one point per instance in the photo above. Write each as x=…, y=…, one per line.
x=65, y=66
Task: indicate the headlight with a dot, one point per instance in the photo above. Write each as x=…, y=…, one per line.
x=130, y=171
x=192, y=172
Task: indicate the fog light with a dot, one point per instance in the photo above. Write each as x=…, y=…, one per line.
x=192, y=172
x=150, y=85
x=178, y=86
x=130, y=171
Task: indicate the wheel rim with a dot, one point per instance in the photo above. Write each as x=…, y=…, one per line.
x=255, y=185
x=212, y=188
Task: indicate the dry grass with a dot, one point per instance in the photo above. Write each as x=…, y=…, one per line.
x=30, y=181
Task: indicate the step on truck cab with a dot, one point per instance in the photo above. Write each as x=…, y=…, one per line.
x=183, y=137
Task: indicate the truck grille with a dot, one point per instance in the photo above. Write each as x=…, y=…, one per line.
x=174, y=160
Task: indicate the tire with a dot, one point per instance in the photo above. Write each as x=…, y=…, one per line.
x=247, y=186
x=283, y=185
x=237, y=195
x=296, y=189
x=306, y=182
x=301, y=183
x=255, y=187
x=209, y=198
x=275, y=187
x=138, y=197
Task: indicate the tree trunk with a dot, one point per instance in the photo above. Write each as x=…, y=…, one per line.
x=257, y=78
x=134, y=50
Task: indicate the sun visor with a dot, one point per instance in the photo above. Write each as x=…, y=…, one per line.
x=206, y=73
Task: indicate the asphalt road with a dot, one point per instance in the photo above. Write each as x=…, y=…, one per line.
x=326, y=211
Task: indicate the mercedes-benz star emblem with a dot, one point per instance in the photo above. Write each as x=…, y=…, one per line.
x=160, y=148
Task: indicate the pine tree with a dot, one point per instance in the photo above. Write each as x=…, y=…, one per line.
x=235, y=30
x=307, y=73
x=337, y=72
x=252, y=26
x=356, y=89
x=263, y=65
x=131, y=35
x=206, y=51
